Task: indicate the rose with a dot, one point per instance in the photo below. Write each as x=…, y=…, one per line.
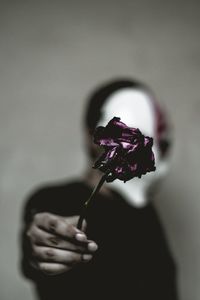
x=127, y=152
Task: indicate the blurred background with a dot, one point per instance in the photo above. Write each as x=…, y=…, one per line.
x=52, y=53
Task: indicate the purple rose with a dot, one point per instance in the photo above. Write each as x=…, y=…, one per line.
x=127, y=152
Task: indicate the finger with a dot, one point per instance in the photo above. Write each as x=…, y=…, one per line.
x=40, y=237
x=47, y=254
x=53, y=268
x=92, y=246
x=58, y=225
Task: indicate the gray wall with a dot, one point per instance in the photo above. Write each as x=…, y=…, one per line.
x=51, y=54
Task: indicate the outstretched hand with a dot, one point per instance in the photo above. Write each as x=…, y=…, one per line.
x=57, y=245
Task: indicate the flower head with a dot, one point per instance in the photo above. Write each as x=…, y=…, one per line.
x=127, y=152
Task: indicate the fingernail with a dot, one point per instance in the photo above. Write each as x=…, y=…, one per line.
x=80, y=237
x=92, y=247
x=86, y=257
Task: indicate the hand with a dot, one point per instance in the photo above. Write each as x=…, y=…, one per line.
x=57, y=245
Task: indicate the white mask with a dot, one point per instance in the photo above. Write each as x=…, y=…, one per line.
x=135, y=108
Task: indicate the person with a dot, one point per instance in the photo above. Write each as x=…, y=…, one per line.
x=121, y=251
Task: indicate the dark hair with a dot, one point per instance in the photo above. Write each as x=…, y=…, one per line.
x=99, y=96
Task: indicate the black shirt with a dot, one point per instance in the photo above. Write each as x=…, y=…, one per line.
x=133, y=260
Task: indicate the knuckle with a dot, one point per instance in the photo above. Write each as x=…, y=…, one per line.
x=32, y=235
x=52, y=223
x=50, y=253
x=53, y=240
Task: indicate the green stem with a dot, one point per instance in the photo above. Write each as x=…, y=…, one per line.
x=93, y=194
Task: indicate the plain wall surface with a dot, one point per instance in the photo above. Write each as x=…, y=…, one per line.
x=52, y=53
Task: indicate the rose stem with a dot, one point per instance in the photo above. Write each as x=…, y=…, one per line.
x=94, y=192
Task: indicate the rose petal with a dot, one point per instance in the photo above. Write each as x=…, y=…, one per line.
x=127, y=152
